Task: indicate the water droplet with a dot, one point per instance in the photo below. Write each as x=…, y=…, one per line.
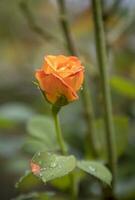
x=81, y=88
x=41, y=175
x=43, y=169
x=92, y=169
x=53, y=164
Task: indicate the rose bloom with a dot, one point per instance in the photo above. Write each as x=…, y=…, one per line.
x=60, y=76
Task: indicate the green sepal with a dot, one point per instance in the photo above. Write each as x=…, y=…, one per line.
x=62, y=101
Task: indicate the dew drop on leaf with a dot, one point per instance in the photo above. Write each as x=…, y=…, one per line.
x=81, y=88
x=92, y=169
x=53, y=164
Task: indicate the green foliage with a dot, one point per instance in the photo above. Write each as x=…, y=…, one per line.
x=6, y=123
x=121, y=135
x=21, y=51
x=53, y=166
x=27, y=181
x=41, y=134
x=123, y=86
x=61, y=183
x=96, y=169
x=15, y=112
x=48, y=166
x=35, y=196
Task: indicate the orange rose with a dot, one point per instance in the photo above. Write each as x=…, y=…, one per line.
x=60, y=76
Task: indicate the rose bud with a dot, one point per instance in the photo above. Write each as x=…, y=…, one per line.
x=59, y=77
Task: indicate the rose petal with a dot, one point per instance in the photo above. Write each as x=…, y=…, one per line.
x=75, y=80
x=52, y=62
x=55, y=87
x=61, y=65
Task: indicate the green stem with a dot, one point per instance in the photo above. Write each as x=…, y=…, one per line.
x=74, y=186
x=64, y=151
x=59, y=134
x=102, y=62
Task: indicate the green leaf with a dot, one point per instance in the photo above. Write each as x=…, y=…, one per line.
x=30, y=196
x=27, y=181
x=42, y=134
x=18, y=112
x=97, y=170
x=7, y=123
x=35, y=196
x=64, y=182
x=123, y=86
x=61, y=183
x=121, y=135
x=50, y=166
x=33, y=145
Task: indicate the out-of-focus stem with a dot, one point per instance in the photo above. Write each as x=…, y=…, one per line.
x=102, y=63
x=89, y=115
x=73, y=51
x=65, y=27
x=35, y=27
x=86, y=93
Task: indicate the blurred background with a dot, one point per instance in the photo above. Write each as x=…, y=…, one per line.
x=28, y=31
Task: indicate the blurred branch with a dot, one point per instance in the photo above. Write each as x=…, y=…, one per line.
x=102, y=63
x=66, y=29
x=113, y=9
x=122, y=25
x=121, y=28
x=86, y=96
x=46, y=35
x=91, y=143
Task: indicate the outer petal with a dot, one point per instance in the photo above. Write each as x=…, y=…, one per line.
x=48, y=65
x=75, y=80
x=54, y=87
x=72, y=65
x=52, y=62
